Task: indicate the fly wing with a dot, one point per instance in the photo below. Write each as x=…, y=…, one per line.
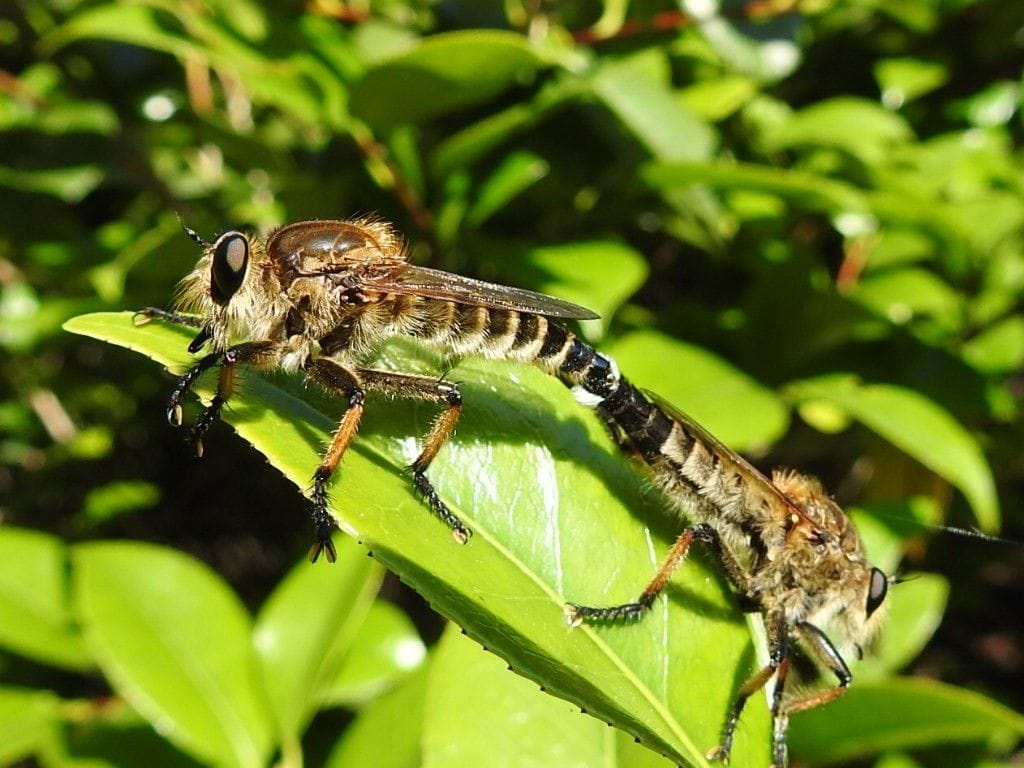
x=411, y=280
x=750, y=472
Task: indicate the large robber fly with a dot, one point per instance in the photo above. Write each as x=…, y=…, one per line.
x=321, y=296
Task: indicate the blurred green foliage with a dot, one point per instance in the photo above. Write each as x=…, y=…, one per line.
x=802, y=223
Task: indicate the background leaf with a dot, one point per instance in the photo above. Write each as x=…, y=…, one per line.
x=445, y=73
x=305, y=629
x=901, y=714
x=919, y=427
x=35, y=611
x=174, y=641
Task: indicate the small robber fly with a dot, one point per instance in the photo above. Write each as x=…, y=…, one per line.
x=789, y=551
x=321, y=297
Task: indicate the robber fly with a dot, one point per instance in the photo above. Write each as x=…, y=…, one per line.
x=321, y=297
x=789, y=551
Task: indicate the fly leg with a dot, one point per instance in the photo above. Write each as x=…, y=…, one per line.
x=336, y=378
x=777, y=666
x=430, y=390
x=256, y=353
x=147, y=314
x=822, y=649
x=578, y=614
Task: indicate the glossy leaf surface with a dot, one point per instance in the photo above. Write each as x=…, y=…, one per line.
x=556, y=514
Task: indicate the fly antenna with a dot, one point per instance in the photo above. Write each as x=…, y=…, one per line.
x=195, y=236
x=972, y=533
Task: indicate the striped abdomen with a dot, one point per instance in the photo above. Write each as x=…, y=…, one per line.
x=686, y=462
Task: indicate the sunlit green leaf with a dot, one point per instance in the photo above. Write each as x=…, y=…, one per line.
x=118, y=498
x=35, y=613
x=70, y=184
x=995, y=105
x=175, y=642
x=999, y=348
x=517, y=172
x=718, y=98
x=475, y=709
x=388, y=732
x=305, y=629
x=916, y=606
x=905, y=79
x=862, y=128
x=30, y=724
x=901, y=295
x=816, y=192
x=385, y=650
x=547, y=498
x=637, y=91
x=598, y=274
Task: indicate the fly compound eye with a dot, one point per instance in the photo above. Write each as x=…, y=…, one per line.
x=230, y=259
x=877, y=590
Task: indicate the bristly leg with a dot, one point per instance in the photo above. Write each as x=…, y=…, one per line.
x=778, y=665
x=185, y=383
x=253, y=353
x=323, y=523
x=425, y=488
x=334, y=377
x=146, y=314
x=430, y=390
x=578, y=614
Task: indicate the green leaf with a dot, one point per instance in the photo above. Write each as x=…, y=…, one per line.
x=918, y=427
x=118, y=498
x=557, y=516
x=863, y=128
x=175, y=643
x=905, y=79
x=389, y=730
x=517, y=172
x=69, y=184
x=444, y=73
x=900, y=295
x=814, y=191
x=999, y=348
x=464, y=147
x=901, y=714
x=476, y=710
x=597, y=274
x=637, y=91
x=35, y=611
x=30, y=724
x=133, y=24
x=386, y=649
x=735, y=408
x=995, y=104
x=190, y=33
x=306, y=627
x=717, y=98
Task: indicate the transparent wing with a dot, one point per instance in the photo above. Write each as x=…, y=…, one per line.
x=749, y=471
x=433, y=283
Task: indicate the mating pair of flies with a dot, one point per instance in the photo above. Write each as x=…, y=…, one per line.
x=320, y=297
